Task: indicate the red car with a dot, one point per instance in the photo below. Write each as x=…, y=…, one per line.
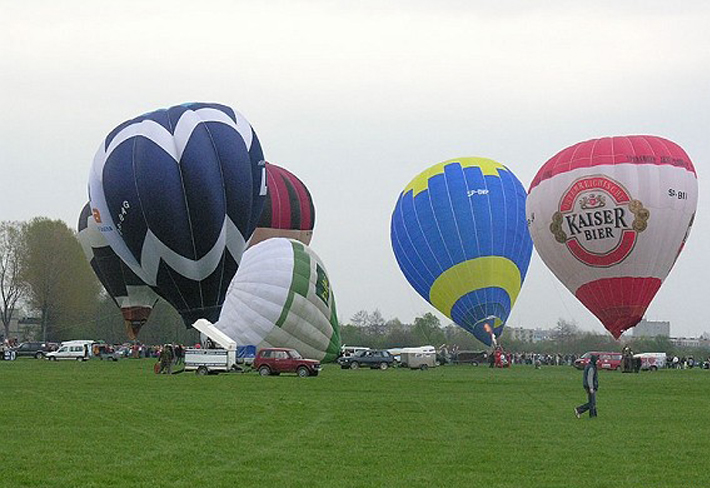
x=607, y=360
x=277, y=360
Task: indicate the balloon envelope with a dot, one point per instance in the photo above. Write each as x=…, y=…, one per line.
x=135, y=299
x=288, y=211
x=459, y=235
x=281, y=297
x=177, y=193
x=609, y=217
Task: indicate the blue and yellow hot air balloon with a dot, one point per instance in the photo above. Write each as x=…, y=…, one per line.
x=460, y=236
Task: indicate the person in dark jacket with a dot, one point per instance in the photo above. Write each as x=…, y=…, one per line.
x=591, y=385
x=166, y=360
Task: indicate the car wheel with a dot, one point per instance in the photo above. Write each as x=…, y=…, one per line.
x=39, y=355
x=303, y=372
x=202, y=371
x=474, y=363
x=653, y=368
x=423, y=367
x=264, y=371
x=53, y=358
x=354, y=365
x=384, y=366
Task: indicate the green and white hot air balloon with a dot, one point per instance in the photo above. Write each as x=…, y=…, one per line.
x=281, y=297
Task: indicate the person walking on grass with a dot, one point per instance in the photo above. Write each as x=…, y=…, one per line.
x=591, y=385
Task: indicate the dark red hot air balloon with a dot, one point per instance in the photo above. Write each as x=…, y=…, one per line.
x=288, y=211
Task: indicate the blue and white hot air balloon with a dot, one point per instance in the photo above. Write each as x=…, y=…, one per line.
x=460, y=236
x=177, y=193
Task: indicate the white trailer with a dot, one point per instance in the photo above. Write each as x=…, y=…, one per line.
x=204, y=360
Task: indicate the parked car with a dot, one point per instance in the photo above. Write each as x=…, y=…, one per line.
x=607, y=360
x=277, y=360
x=35, y=350
x=373, y=358
x=470, y=357
x=106, y=351
x=78, y=352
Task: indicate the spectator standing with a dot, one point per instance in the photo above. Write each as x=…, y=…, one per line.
x=591, y=385
x=166, y=360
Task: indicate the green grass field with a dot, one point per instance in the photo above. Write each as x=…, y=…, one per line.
x=117, y=424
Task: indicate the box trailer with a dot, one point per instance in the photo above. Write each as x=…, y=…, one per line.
x=418, y=359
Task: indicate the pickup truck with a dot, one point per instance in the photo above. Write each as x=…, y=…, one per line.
x=277, y=360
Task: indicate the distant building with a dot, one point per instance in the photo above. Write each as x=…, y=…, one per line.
x=528, y=335
x=652, y=328
x=691, y=342
x=519, y=334
x=22, y=328
x=542, y=334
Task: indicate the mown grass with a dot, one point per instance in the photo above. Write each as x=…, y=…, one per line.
x=104, y=424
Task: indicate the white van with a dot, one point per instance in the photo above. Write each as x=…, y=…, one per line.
x=652, y=361
x=77, y=350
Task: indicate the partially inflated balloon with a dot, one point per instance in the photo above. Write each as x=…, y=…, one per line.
x=135, y=299
x=288, y=211
x=609, y=217
x=281, y=297
x=177, y=193
x=459, y=235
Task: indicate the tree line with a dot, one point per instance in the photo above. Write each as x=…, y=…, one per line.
x=370, y=329
x=45, y=278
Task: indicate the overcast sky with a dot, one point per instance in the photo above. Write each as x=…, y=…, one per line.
x=356, y=98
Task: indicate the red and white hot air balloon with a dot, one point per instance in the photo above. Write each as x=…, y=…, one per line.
x=609, y=217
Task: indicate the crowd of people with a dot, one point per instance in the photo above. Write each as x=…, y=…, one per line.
x=498, y=357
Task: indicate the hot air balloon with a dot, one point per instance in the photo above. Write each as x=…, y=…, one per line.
x=281, y=297
x=135, y=299
x=459, y=235
x=609, y=217
x=177, y=193
x=288, y=211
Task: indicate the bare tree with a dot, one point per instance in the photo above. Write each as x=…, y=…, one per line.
x=566, y=332
x=376, y=323
x=12, y=287
x=360, y=319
